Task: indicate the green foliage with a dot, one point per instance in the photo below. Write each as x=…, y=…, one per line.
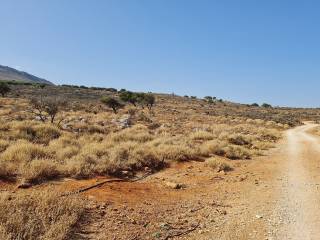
x=143, y=99
x=112, y=103
x=209, y=99
x=255, y=105
x=129, y=97
x=266, y=105
x=193, y=97
x=4, y=89
x=149, y=100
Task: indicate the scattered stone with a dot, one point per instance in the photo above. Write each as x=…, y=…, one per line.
x=175, y=185
x=125, y=121
x=25, y=185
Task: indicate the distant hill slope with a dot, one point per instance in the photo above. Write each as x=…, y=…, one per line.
x=8, y=74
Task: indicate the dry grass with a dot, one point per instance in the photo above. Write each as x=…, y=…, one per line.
x=90, y=142
x=38, y=214
x=218, y=164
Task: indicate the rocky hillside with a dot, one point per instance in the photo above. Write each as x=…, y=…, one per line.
x=11, y=74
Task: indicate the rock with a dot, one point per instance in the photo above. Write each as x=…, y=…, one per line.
x=125, y=121
x=25, y=185
x=258, y=216
x=165, y=226
x=242, y=178
x=175, y=185
x=37, y=118
x=147, y=169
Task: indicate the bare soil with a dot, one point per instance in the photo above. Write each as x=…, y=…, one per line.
x=270, y=197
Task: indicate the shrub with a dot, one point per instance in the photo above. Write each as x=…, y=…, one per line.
x=39, y=214
x=213, y=147
x=46, y=108
x=112, y=103
x=138, y=133
x=202, y=135
x=23, y=130
x=238, y=139
x=6, y=170
x=81, y=166
x=236, y=152
x=22, y=151
x=128, y=97
x=4, y=88
x=39, y=170
x=266, y=105
x=179, y=152
x=149, y=100
x=218, y=164
x=3, y=145
x=44, y=133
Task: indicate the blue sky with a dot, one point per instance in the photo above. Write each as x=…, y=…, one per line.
x=244, y=51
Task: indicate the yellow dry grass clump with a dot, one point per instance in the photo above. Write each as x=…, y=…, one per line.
x=38, y=214
x=38, y=152
x=89, y=143
x=91, y=140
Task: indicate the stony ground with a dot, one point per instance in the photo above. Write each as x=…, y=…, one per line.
x=270, y=197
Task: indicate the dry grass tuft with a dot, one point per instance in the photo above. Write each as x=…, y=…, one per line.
x=219, y=164
x=22, y=151
x=38, y=214
x=39, y=170
x=91, y=142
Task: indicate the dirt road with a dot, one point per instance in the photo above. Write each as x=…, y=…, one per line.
x=271, y=197
x=285, y=204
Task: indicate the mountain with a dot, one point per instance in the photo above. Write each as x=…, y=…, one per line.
x=8, y=74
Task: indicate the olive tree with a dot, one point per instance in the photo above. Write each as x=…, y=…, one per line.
x=112, y=103
x=129, y=97
x=46, y=108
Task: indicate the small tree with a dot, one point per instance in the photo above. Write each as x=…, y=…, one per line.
x=129, y=97
x=141, y=99
x=52, y=108
x=112, y=103
x=46, y=108
x=149, y=100
x=4, y=89
x=255, y=105
x=266, y=105
x=208, y=98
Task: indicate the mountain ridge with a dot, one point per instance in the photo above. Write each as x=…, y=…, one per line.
x=12, y=74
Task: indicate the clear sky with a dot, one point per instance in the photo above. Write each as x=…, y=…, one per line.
x=240, y=50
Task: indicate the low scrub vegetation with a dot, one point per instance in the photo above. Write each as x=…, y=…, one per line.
x=102, y=131
x=218, y=164
x=36, y=151
x=38, y=214
x=43, y=138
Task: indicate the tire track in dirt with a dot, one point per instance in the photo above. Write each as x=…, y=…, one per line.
x=297, y=212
